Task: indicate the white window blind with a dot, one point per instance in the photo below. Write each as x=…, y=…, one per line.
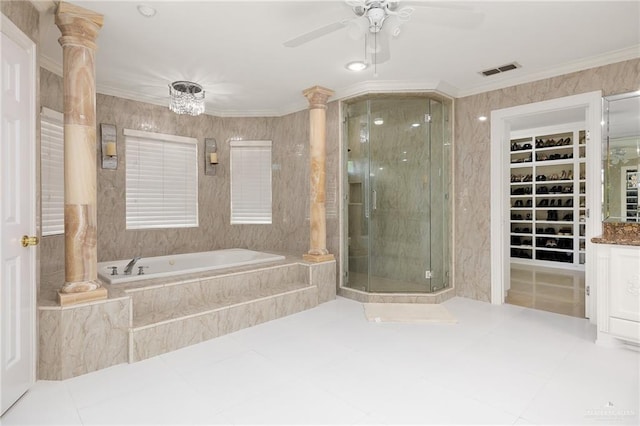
x=250, y=182
x=161, y=180
x=52, y=171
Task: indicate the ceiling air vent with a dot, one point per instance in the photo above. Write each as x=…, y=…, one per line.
x=498, y=70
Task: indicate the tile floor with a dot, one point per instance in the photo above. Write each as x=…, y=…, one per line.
x=549, y=289
x=498, y=365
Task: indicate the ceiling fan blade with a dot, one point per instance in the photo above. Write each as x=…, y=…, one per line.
x=317, y=33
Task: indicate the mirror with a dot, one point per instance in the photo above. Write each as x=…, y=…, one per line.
x=621, y=157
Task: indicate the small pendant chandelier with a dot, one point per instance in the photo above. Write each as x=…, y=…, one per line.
x=186, y=98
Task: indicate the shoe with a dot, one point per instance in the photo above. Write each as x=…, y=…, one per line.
x=542, y=190
x=549, y=231
x=567, y=189
x=570, y=175
x=528, y=203
x=567, y=141
x=518, y=203
x=514, y=147
x=555, y=189
x=563, y=175
x=568, y=217
x=552, y=215
x=569, y=203
x=543, y=203
x=559, y=202
x=553, y=203
x=527, y=178
x=528, y=217
x=541, y=177
x=526, y=146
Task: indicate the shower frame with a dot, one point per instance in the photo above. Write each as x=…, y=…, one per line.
x=404, y=296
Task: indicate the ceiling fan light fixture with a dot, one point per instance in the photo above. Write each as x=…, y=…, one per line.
x=186, y=97
x=356, y=66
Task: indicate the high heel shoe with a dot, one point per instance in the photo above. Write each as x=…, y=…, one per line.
x=570, y=175
x=563, y=175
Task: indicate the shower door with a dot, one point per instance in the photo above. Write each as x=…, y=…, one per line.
x=396, y=193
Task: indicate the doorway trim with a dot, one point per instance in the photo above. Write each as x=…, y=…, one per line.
x=501, y=120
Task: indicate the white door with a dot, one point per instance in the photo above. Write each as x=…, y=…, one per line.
x=17, y=215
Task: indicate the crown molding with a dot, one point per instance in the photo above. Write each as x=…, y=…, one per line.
x=380, y=86
x=620, y=55
x=51, y=65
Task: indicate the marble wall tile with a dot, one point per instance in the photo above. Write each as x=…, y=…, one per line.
x=24, y=15
x=78, y=340
x=472, y=167
x=166, y=337
x=323, y=276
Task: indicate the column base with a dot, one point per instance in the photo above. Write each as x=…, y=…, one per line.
x=66, y=299
x=316, y=258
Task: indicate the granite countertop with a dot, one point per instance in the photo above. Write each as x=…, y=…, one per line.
x=602, y=240
x=619, y=233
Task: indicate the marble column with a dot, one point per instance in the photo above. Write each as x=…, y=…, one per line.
x=79, y=28
x=317, y=97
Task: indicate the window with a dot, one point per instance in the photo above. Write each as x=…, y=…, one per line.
x=161, y=180
x=250, y=182
x=52, y=171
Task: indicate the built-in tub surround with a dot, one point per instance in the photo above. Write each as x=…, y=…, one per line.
x=137, y=269
x=150, y=317
x=79, y=28
x=472, y=235
x=289, y=231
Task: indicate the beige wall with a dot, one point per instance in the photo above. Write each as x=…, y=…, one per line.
x=472, y=160
x=290, y=229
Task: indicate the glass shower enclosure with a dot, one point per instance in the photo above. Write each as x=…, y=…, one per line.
x=397, y=186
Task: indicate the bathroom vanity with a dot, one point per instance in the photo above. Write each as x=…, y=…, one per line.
x=618, y=293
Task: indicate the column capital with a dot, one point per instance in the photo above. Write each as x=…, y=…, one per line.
x=318, y=96
x=79, y=26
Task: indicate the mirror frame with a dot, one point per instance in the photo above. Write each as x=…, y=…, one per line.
x=606, y=164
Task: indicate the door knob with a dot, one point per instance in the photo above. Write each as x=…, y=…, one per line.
x=29, y=241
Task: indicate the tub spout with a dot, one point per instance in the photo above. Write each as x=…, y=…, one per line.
x=129, y=267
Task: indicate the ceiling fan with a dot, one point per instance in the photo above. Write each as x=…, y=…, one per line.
x=371, y=15
x=376, y=12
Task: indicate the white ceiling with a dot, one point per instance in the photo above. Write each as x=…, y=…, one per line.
x=235, y=48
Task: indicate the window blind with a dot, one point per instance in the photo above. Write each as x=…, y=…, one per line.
x=161, y=180
x=52, y=171
x=250, y=182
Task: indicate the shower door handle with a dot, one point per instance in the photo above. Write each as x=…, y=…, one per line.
x=374, y=200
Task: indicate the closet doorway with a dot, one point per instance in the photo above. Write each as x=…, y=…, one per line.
x=546, y=203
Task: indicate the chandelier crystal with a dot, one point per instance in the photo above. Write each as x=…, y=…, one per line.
x=186, y=98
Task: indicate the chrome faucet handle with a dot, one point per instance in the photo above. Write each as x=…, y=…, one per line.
x=114, y=270
x=141, y=270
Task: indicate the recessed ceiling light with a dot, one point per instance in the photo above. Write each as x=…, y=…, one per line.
x=378, y=121
x=482, y=118
x=415, y=125
x=356, y=66
x=146, y=11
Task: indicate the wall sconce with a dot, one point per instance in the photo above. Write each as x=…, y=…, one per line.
x=109, y=147
x=210, y=156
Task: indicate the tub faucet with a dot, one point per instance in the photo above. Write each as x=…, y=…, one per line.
x=129, y=267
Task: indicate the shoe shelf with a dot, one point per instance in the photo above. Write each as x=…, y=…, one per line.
x=547, y=198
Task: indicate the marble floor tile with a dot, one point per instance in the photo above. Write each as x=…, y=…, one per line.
x=501, y=364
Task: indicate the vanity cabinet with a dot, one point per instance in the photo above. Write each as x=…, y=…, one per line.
x=618, y=293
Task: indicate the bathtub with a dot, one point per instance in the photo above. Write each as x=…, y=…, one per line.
x=166, y=266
